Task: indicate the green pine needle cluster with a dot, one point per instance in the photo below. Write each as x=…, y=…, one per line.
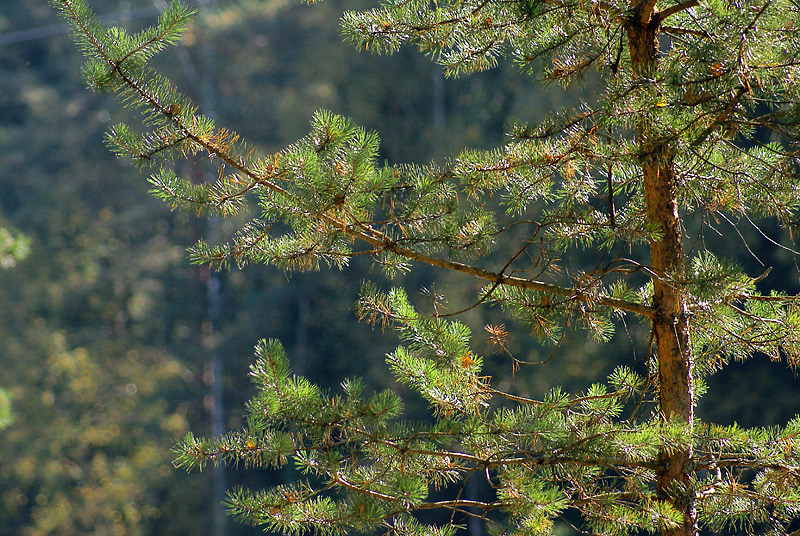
x=365, y=466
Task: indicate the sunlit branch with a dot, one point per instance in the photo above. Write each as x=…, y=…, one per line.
x=360, y=231
x=677, y=8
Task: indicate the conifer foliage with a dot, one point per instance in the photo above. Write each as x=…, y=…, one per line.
x=698, y=121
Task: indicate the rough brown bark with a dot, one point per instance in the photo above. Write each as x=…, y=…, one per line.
x=671, y=328
x=670, y=321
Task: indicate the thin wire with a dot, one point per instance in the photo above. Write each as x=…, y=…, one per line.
x=744, y=240
x=762, y=233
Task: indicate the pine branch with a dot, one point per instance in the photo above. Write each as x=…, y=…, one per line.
x=357, y=230
x=337, y=478
x=721, y=117
x=571, y=293
x=685, y=31
x=602, y=6
x=462, y=503
x=677, y=8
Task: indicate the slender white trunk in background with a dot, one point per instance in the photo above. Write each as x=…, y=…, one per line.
x=214, y=366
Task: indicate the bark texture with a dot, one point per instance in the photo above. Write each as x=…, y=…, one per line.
x=670, y=321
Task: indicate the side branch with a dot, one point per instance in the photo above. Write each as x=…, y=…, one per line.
x=501, y=279
x=685, y=31
x=462, y=503
x=677, y=8
x=357, y=230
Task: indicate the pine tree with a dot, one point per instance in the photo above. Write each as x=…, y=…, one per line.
x=697, y=123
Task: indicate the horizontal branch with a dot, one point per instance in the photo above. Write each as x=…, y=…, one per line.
x=747, y=462
x=360, y=230
x=502, y=279
x=338, y=479
x=462, y=503
x=684, y=31
x=383, y=242
x=677, y=8
x=602, y=6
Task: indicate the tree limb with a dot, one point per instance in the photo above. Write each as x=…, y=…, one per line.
x=677, y=8
x=358, y=230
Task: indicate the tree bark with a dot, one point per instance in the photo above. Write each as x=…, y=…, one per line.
x=671, y=327
x=670, y=321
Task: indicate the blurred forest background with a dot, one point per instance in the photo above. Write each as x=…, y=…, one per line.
x=112, y=345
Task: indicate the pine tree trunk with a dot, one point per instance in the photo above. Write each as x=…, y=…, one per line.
x=671, y=324
x=671, y=328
